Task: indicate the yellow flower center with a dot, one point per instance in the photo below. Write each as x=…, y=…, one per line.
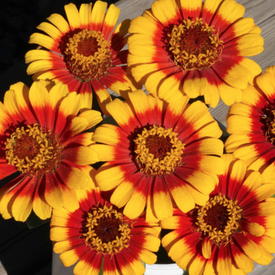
x=158, y=151
x=33, y=150
x=194, y=45
x=87, y=54
x=106, y=230
x=218, y=219
x=269, y=121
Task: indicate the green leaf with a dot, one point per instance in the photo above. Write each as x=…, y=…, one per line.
x=101, y=269
x=33, y=221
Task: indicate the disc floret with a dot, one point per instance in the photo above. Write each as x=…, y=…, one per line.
x=106, y=230
x=158, y=151
x=194, y=45
x=219, y=219
x=33, y=149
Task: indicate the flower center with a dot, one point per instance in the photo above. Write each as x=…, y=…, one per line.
x=194, y=45
x=87, y=55
x=158, y=151
x=269, y=122
x=106, y=230
x=33, y=150
x=218, y=219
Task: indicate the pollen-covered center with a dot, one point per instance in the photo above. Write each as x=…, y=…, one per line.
x=88, y=55
x=218, y=219
x=194, y=45
x=106, y=230
x=269, y=124
x=33, y=150
x=158, y=151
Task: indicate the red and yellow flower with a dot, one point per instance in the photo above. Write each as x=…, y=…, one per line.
x=85, y=53
x=97, y=234
x=251, y=124
x=160, y=154
x=194, y=48
x=41, y=138
x=233, y=229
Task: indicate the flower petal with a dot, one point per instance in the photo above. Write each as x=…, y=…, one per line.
x=40, y=207
x=206, y=248
x=162, y=201
x=250, y=44
x=190, y=8
x=110, y=20
x=179, y=193
x=73, y=16
x=50, y=30
x=43, y=40
x=72, y=177
x=109, y=177
x=59, y=22
x=229, y=11
x=23, y=199
x=124, y=117
x=98, y=15
x=125, y=190
x=165, y=11
x=224, y=264
x=69, y=199
x=39, y=98
x=266, y=82
x=80, y=155
x=85, y=12
x=250, y=248
x=241, y=259
x=52, y=191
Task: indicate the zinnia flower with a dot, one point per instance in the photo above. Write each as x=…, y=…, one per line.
x=194, y=48
x=159, y=155
x=251, y=124
x=83, y=52
x=99, y=234
x=41, y=138
x=235, y=227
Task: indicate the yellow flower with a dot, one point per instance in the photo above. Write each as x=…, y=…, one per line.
x=160, y=154
x=84, y=53
x=41, y=138
x=233, y=229
x=251, y=125
x=97, y=232
x=194, y=48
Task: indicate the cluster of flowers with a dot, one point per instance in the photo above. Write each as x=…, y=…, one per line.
x=161, y=163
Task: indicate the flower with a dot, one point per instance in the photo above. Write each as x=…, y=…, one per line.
x=194, y=48
x=159, y=155
x=251, y=125
x=41, y=140
x=83, y=52
x=97, y=232
x=235, y=227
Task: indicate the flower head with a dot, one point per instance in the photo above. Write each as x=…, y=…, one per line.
x=235, y=227
x=251, y=125
x=84, y=53
x=41, y=138
x=194, y=48
x=159, y=155
x=99, y=233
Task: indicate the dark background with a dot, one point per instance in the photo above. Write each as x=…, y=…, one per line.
x=18, y=20
x=23, y=251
